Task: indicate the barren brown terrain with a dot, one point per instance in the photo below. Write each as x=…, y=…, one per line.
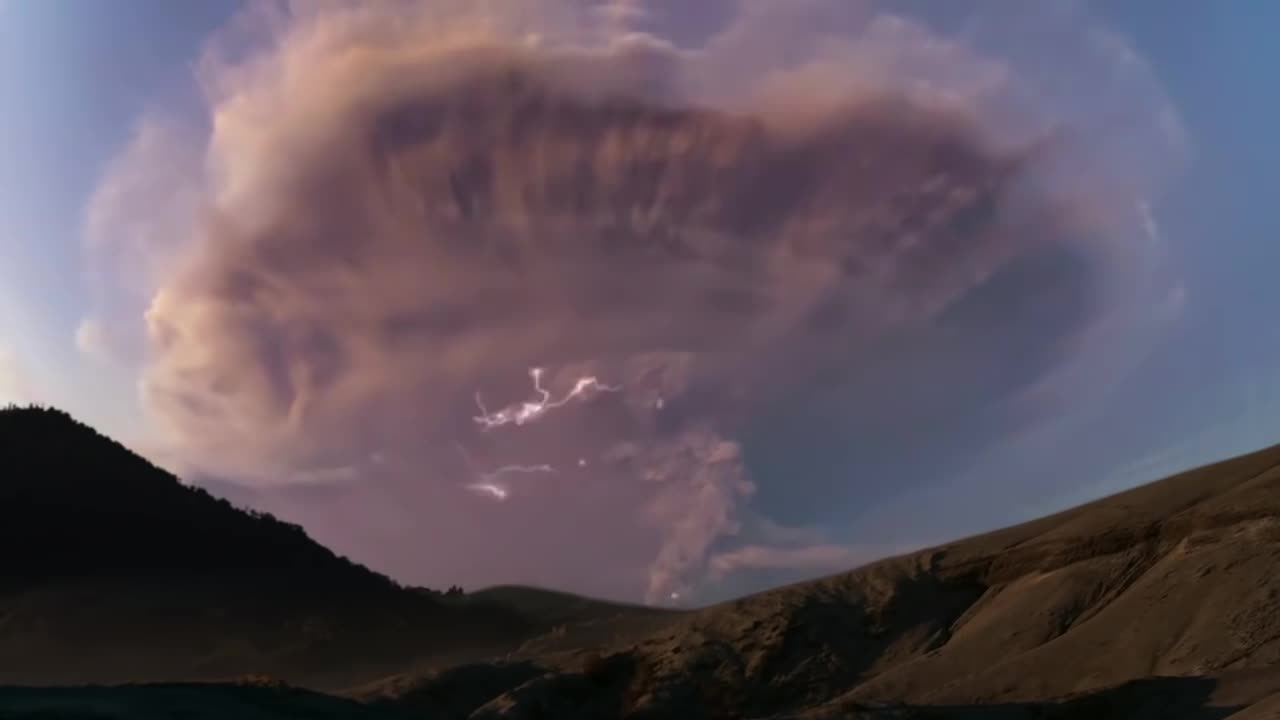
x=1160, y=602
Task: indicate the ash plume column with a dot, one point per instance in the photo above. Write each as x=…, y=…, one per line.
x=747, y=261
x=704, y=482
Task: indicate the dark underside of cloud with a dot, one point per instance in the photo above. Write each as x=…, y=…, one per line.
x=757, y=306
x=944, y=389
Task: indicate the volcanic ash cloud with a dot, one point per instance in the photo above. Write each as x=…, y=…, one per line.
x=404, y=210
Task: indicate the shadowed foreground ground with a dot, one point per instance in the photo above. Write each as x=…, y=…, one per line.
x=1153, y=699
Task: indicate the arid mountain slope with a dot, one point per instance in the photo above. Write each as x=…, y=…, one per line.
x=1172, y=580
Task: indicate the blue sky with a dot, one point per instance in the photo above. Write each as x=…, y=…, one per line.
x=1221, y=371
x=75, y=75
x=1213, y=389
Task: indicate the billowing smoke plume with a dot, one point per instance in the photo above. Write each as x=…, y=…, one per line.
x=550, y=285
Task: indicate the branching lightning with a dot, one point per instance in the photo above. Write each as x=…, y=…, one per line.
x=490, y=486
x=526, y=412
x=488, y=483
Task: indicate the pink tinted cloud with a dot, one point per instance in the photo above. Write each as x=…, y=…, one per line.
x=397, y=207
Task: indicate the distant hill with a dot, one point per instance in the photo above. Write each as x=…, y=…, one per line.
x=574, y=623
x=114, y=571
x=553, y=607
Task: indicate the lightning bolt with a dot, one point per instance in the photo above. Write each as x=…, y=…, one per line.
x=517, y=415
x=491, y=490
x=526, y=412
x=488, y=484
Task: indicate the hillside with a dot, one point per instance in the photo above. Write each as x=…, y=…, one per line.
x=75, y=504
x=1161, y=602
x=114, y=572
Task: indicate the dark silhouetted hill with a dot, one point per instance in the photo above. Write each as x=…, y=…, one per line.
x=114, y=571
x=76, y=504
